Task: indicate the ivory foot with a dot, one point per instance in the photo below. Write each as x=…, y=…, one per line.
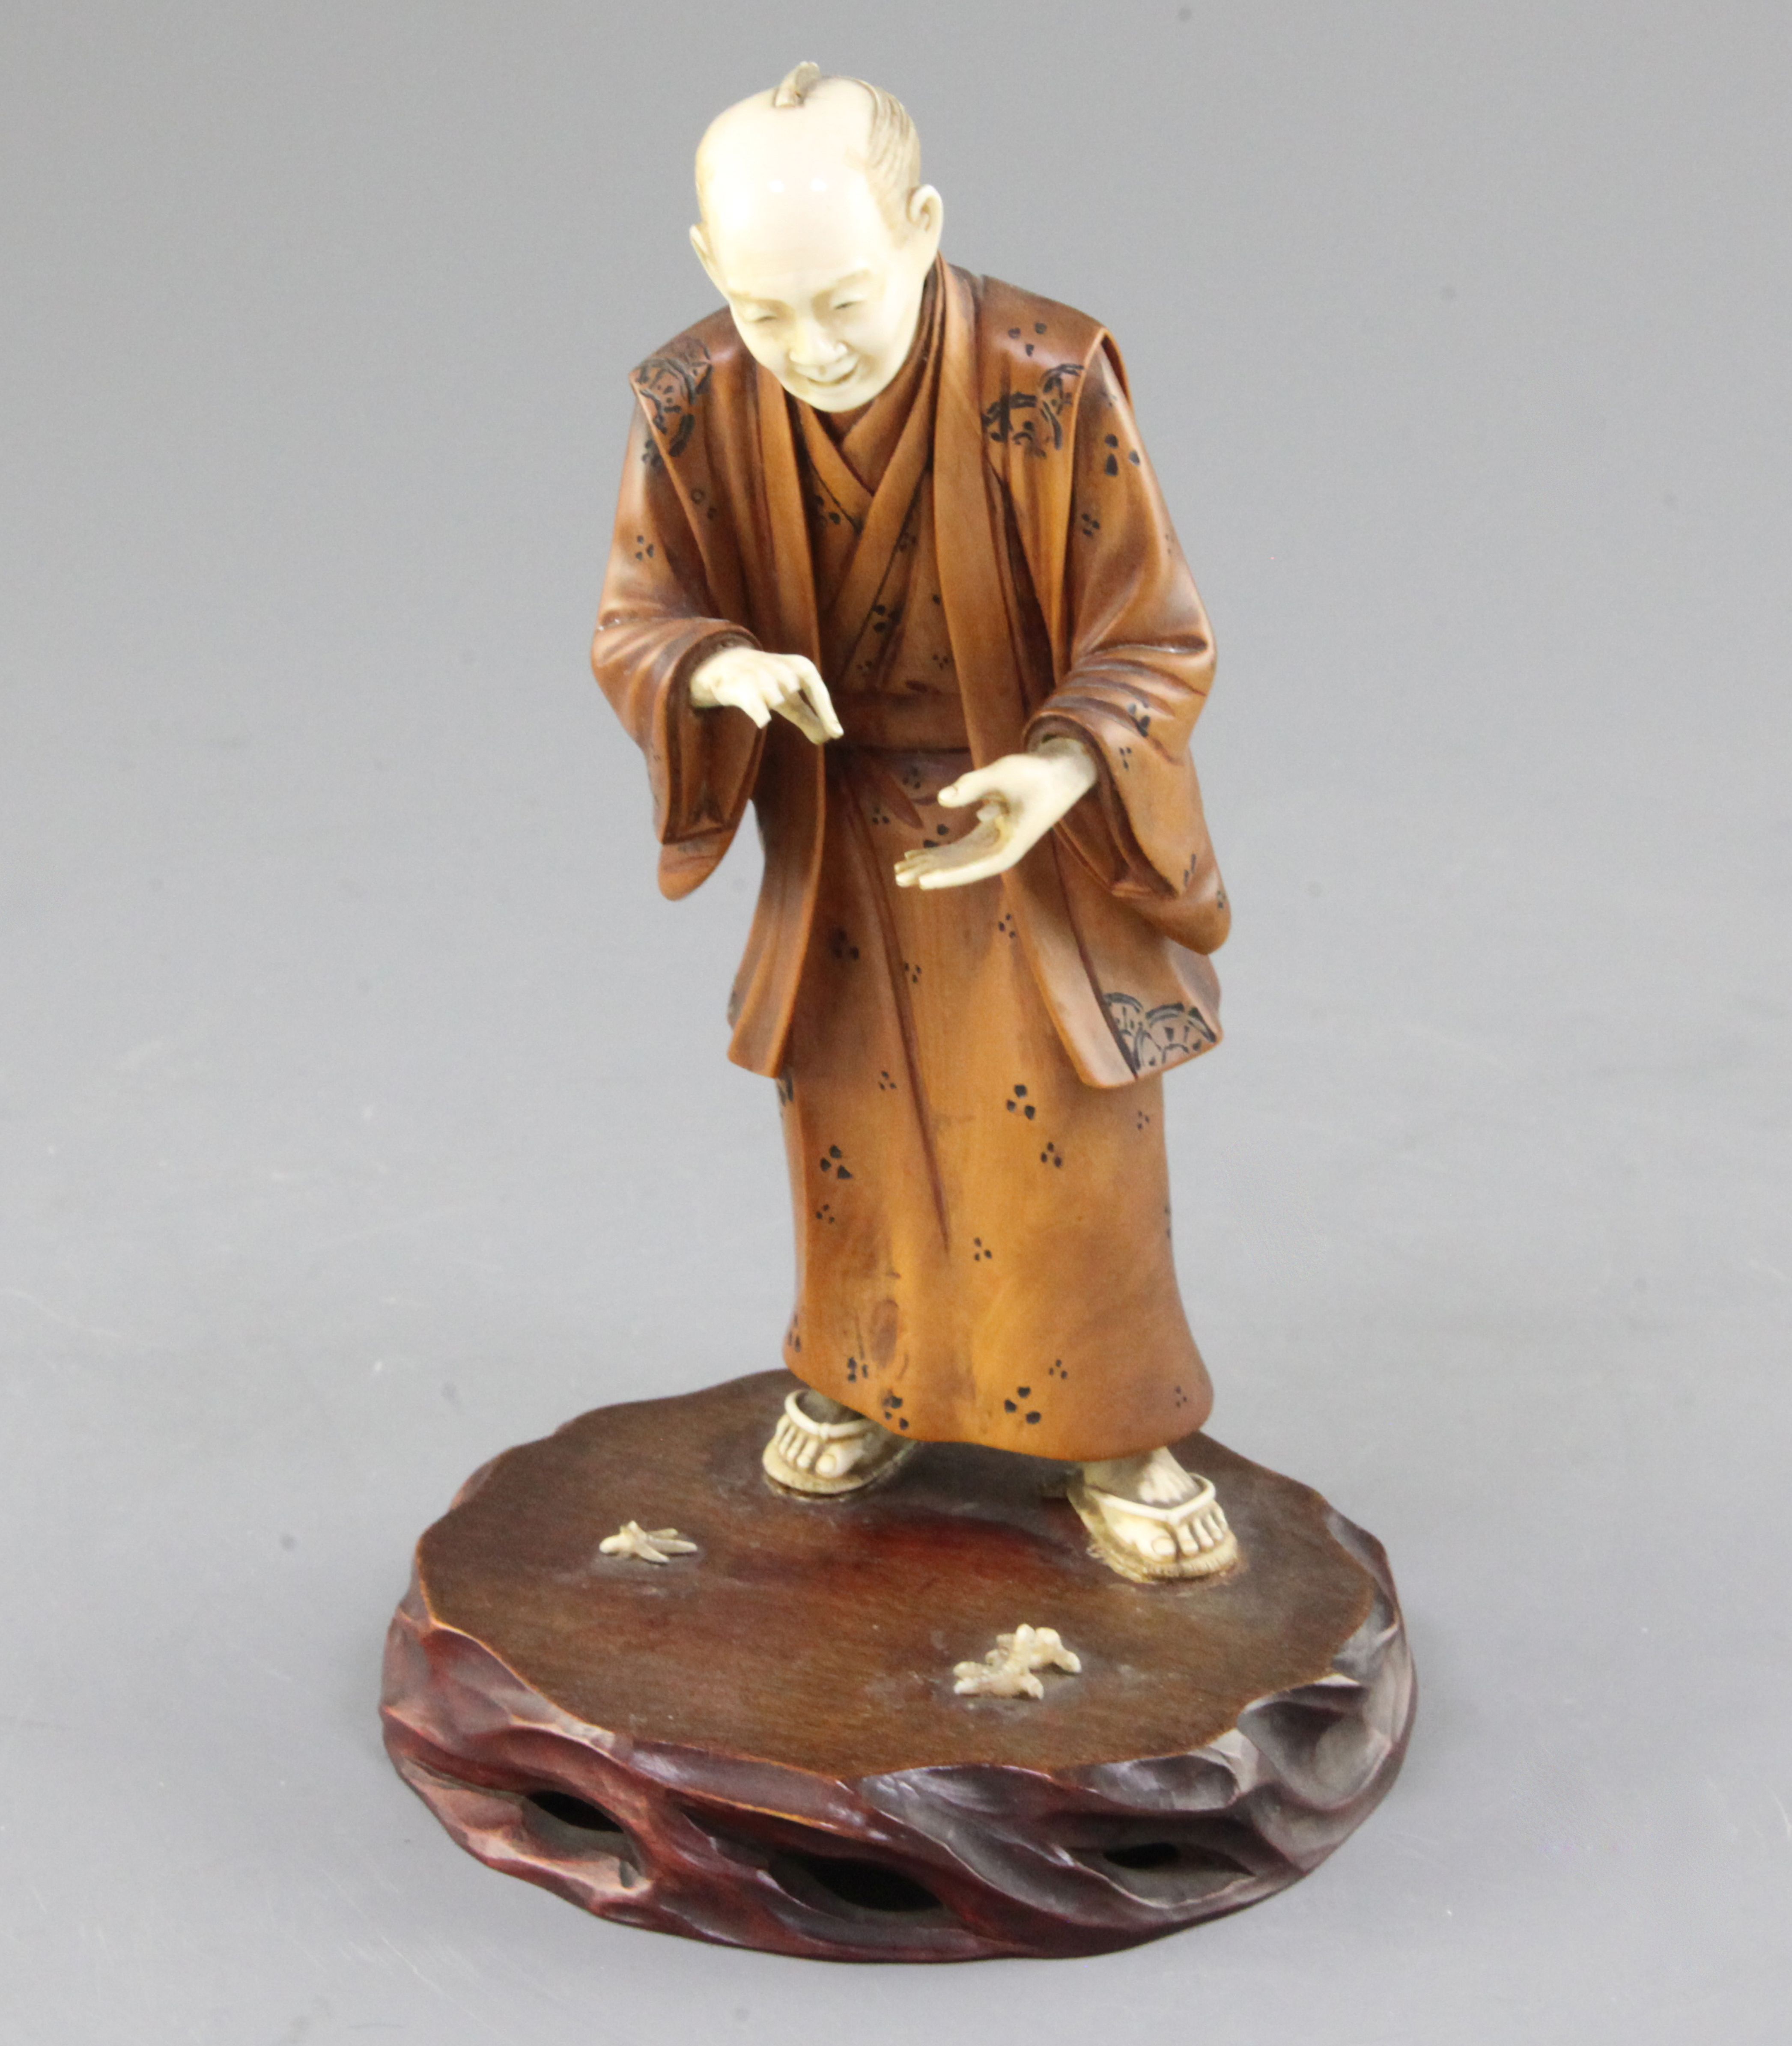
x=822, y=1449
x=1150, y=1519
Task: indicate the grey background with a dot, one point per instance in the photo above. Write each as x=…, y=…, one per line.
x=363, y=1110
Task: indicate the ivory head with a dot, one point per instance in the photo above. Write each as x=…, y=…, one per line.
x=817, y=232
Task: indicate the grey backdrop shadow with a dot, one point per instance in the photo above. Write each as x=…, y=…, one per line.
x=363, y=1110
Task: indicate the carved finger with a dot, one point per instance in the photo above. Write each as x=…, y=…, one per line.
x=816, y=692
x=967, y=788
x=979, y=859
x=799, y=684
x=984, y=852
x=985, y=838
x=962, y=876
x=795, y=707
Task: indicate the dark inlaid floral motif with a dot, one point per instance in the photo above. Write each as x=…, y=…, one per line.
x=1030, y=418
x=1163, y=1036
x=670, y=385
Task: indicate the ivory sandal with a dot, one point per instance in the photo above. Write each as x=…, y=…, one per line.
x=826, y=1459
x=1151, y=1543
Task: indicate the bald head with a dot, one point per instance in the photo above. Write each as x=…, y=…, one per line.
x=868, y=128
x=817, y=231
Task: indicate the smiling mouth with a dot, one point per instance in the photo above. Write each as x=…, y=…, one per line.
x=827, y=377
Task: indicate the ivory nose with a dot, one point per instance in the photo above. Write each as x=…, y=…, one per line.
x=813, y=349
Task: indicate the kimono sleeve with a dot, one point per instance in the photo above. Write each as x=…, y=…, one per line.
x=1139, y=664
x=657, y=623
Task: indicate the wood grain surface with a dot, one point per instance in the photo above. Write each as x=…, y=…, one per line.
x=790, y=1685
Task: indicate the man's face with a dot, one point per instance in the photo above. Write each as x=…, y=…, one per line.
x=822, y=292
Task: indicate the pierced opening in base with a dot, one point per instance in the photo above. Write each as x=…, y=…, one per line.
x=570, y=1824
x=579, y=1813
x=1178, y=1868
x=854, y=1888
x=1175, y=1871
x=1146, y=1853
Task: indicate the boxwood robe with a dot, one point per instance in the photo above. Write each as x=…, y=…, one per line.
x=970, y=1078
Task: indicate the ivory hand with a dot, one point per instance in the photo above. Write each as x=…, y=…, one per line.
x=1019, y=798
x=747, y=679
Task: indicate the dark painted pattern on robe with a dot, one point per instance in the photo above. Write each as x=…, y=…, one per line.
x=969, y=1078
x=983, y=1245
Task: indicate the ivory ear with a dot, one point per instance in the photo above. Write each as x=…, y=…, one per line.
x=926, y=211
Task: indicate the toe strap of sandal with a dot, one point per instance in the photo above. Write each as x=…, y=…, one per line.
x=825, y=1431
x=1202, y=1500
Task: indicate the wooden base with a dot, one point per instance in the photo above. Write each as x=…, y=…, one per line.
x=760, y=1743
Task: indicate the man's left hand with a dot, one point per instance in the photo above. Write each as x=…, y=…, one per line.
x=1019, y=798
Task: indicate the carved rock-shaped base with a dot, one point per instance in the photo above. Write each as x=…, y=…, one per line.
x=759, y=1744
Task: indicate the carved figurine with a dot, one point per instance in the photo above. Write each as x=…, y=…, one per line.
x=891, y=563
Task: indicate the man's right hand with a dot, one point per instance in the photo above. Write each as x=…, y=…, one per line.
x=744, y=678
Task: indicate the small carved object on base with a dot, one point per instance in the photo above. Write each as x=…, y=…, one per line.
x=761, y=1743
x=659, y=1545
x=1011, y=1668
